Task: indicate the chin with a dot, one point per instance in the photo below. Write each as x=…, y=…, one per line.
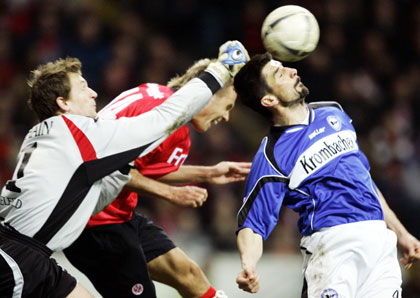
x=198, y=128
x=202, y=129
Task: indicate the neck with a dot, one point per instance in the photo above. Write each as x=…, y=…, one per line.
x=292, y=115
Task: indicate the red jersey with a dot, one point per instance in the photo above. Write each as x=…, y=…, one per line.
x=164, y=159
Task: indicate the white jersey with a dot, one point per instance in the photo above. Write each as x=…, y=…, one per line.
x=59, y=178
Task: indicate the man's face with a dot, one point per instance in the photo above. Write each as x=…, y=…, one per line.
x=81, y=99
x=285, y=82
x=218, y=109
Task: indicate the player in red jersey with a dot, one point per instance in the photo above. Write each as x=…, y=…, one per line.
x=121, y=233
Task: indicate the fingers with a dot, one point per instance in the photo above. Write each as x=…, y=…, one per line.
x=409, y=258
x=407, y=261
x=189, y=196
x=411, y=250
x=233, y=55
x=198, y=196
x=248, y=282
x=242, y=168
x=223, y=47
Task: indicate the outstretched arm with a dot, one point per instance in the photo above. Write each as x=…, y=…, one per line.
x=221, y=173
x=186, y=196
x=250, y=246
x=408, y=244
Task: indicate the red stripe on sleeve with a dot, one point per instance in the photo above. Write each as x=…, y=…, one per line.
x=85, y=146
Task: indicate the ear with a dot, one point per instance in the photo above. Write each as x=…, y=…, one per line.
x=62, y=104
x=269, y=101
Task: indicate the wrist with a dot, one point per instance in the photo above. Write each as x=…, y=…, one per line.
x=219, y=72
x=167, y=192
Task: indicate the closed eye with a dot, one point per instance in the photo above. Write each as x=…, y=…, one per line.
x=279, y=72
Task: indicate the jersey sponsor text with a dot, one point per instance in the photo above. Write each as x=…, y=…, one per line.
x=177, y=156
x=320, y=153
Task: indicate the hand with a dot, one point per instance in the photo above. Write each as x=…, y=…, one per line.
x=232, y=57
x=248, y=280
x=410, y=248
x=229, y=171
x=188, y=196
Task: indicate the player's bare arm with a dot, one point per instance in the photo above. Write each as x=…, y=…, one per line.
x=250, y=246
x=185, y=196
x=221, y=173
x=407, y=243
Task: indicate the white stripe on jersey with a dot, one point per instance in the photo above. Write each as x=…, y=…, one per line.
x=153, y=91
x=321, y=153
x=125, y=93
x=123, y=100
x=110, y=111
x=17, y=274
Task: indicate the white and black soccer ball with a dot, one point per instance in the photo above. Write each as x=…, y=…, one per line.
x=290, y=33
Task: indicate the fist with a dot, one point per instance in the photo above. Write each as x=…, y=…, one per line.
x=233, y=55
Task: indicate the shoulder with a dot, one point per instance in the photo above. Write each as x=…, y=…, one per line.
x=328, y=107
x=155, y=91
x=136, y=101
x=72, y=118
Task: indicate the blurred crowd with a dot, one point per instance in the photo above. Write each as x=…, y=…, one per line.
x=368, y=59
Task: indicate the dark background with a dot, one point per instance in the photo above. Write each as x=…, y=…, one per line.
x=367, y=60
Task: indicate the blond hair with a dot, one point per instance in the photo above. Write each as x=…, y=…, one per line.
x=194, y=71
x=49, y=81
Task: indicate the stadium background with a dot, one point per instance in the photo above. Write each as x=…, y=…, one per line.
x=368, y=59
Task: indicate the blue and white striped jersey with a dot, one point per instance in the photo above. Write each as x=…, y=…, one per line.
x=316, y=169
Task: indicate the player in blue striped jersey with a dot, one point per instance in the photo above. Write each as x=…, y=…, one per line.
x=311, y=162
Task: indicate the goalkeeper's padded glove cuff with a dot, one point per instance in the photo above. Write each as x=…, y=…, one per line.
x=219, y=72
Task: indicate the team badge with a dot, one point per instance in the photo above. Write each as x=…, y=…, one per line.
x=334, y=122
x=137, y=289
x=329, y=293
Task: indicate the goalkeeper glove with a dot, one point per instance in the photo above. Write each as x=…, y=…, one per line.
x=232, y=57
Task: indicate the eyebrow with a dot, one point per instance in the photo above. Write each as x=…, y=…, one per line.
x=276, y=71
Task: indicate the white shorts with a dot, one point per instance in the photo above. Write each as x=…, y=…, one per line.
x=356, y=260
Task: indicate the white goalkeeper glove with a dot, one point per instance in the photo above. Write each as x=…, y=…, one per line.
x=232, y=57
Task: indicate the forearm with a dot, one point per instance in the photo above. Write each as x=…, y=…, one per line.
x=111, y=186
x=188, y=174
x=250, y=246
x=391, y=219
x=148, y=187
x=161, y=121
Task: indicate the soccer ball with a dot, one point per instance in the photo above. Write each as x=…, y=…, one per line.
x=290, y=33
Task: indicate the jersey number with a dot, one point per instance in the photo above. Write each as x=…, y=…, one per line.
x=11, y=184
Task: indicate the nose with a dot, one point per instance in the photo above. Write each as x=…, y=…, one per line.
x=293, y=72
x=226, y=116
x=94, y=95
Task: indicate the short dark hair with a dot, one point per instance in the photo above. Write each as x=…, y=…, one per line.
x=251, y=86
x=48, y=82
